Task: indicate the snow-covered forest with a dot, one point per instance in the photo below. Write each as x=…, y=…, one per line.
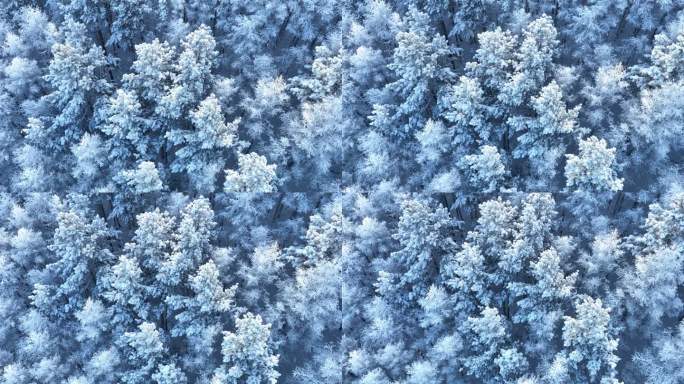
x=341, y=191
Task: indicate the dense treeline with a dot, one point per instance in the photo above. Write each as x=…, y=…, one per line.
x=341, y=191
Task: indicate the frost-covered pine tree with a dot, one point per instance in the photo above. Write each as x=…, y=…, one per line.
x=357, y=191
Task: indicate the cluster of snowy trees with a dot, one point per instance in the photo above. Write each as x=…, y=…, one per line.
x=341, y=191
